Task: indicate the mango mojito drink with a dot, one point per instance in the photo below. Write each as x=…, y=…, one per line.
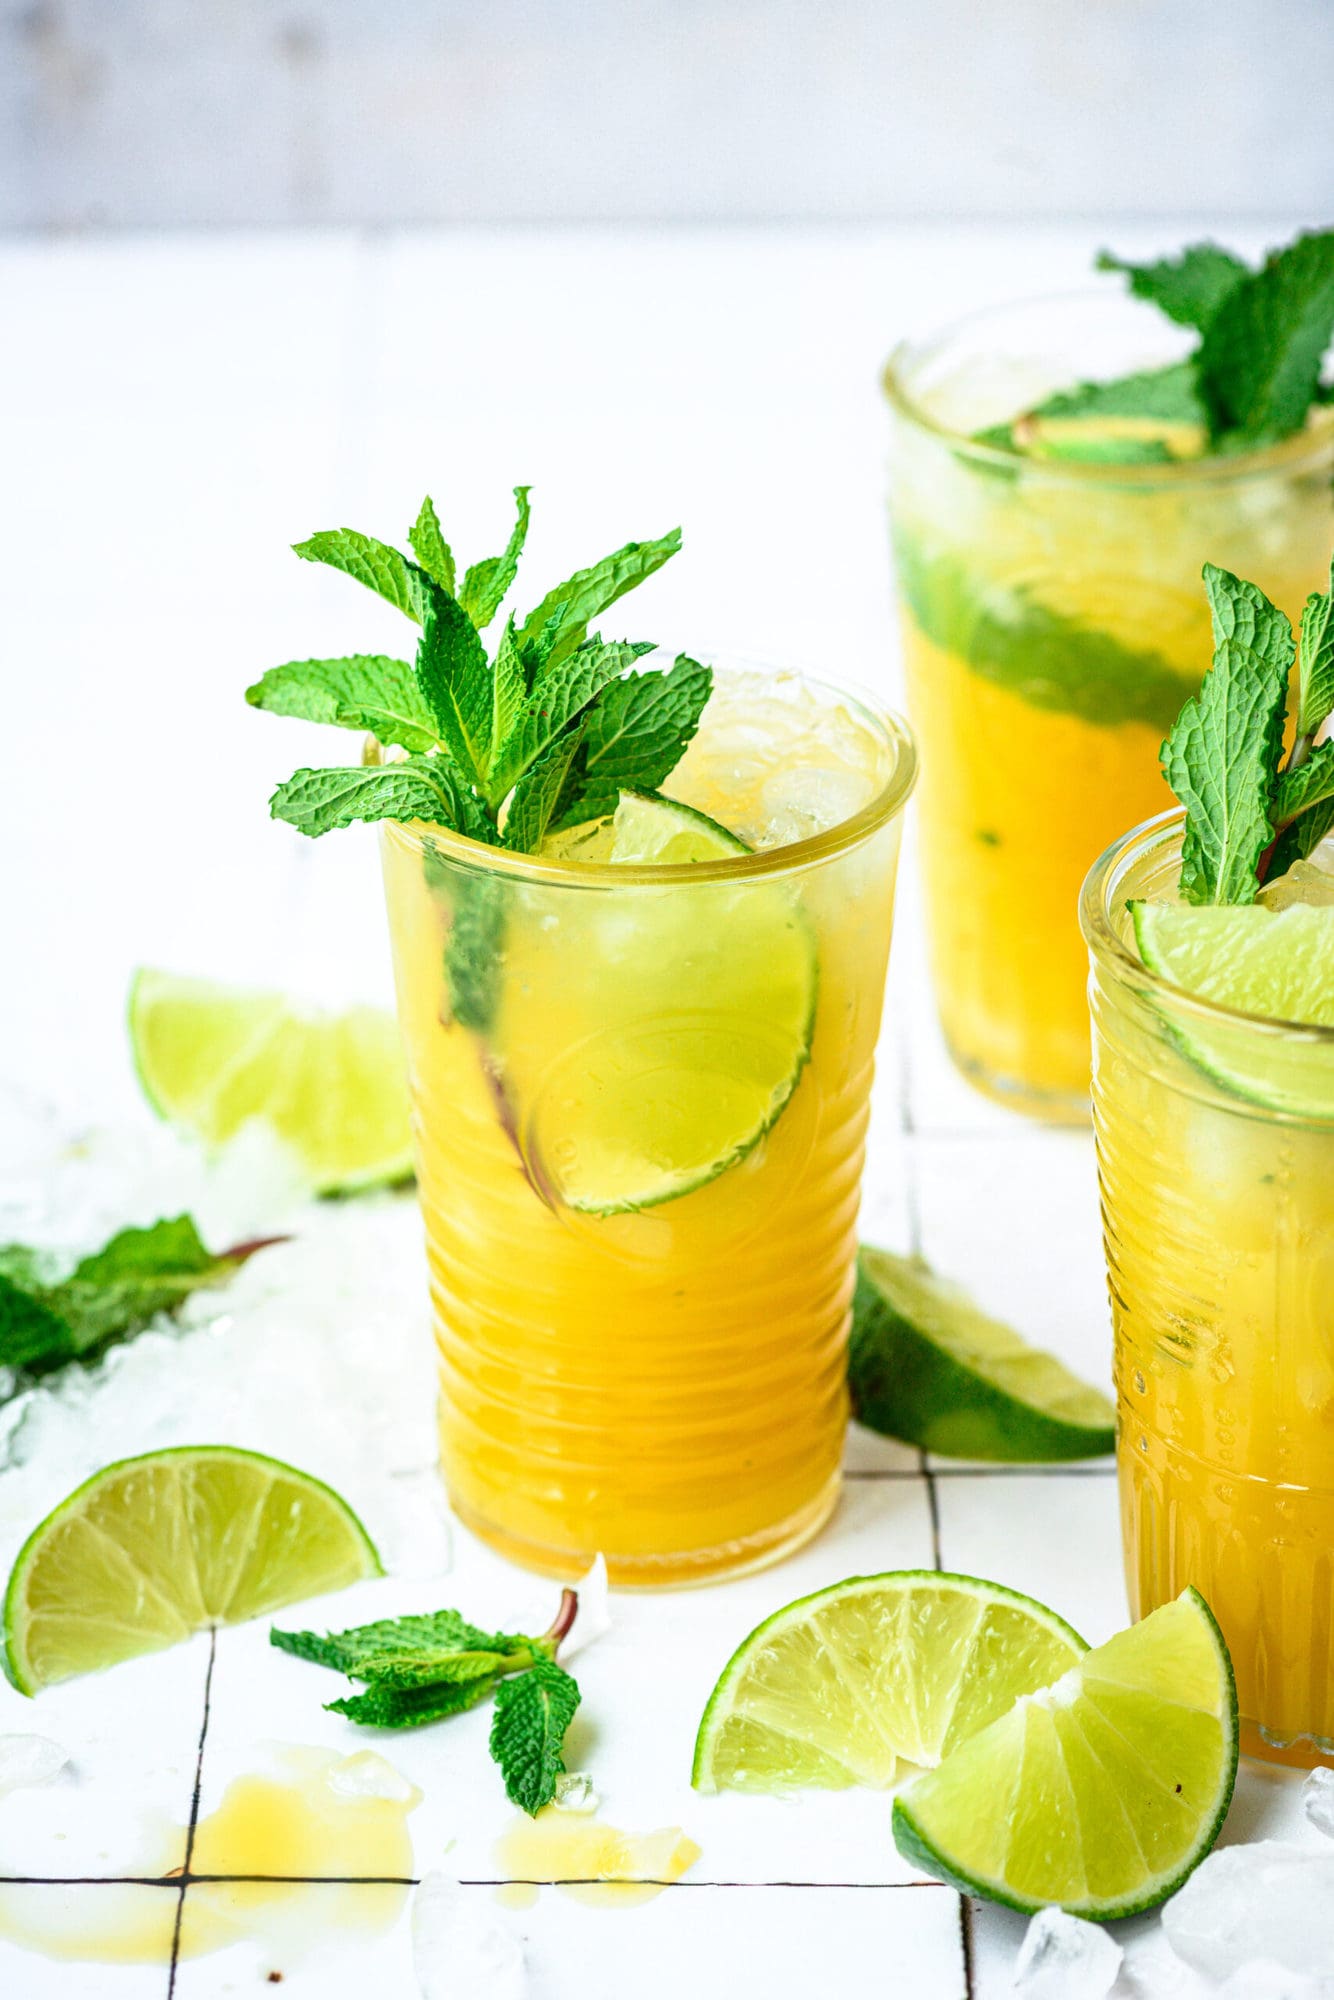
x=1048, y=543
x=1213, y=1011
x=640, y=913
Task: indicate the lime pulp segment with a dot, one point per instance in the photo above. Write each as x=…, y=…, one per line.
x=1099, y=1793
x=841, y=1687
x=154, y=1548
x=928, y=1366
x=331, y=1086
x=650, y=831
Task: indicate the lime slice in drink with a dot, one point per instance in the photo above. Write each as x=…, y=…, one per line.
x=649, y=1035
x=1111, y=440
x=928, y=1366
x=1100, y=1793
x=152, y=1549
x=838, y=1688
x=210, y=1058
x=1277, y=964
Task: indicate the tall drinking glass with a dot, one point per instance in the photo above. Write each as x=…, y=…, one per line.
x=1216, y=1157
x=640, y=1102
x=1053, y=624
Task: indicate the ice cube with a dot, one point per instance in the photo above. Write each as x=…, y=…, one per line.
x=1263, y=1980
x=1318, y=1798
x=29, y=1760
x=460, y=1948
x=366, y=1775
x=1064, y=1958
x=1267, y=1900
x=575, y=1794
x=593, y=1618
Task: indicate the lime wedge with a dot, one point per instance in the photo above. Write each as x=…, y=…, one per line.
x=1100, y=1793
x=649, y=1038
x=210, y=1058
x=1277, y=964
x=1111, y=440
x=152, y=1549
x=928, y=1366
x=838, y=1688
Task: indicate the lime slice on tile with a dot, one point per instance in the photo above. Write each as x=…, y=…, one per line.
x=152, y=1549
x=1100, y=1793
x=840, y=1687
x=1277, y=964
x=649, y=1035
x=331, y=1086
x=930, y=1367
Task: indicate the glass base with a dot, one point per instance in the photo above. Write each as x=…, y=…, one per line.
x=1302, y=1753
x=665, y=1572
x=1052, y=1107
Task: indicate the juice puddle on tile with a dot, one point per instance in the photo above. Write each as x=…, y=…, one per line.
x=309, y=1813
x=590, y=1861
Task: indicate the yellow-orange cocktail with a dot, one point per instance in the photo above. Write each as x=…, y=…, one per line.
x=640, y=1100
x=1053, y=624
x=1216, y=1159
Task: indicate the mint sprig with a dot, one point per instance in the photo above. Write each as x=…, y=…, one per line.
x=502, y=747
x=421, y=1669
x=47, y=1321
x=1249, y=814
x=1189, y=288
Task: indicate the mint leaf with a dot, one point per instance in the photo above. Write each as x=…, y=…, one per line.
x=1315, y=661
x=1301, y=838
x=542, y=794
x=562, y=694
x=317, y=801
x=430, y=547
x=362, y=691
x=1223, y=749
x=528, y=1729
x=639, y=726
x=509, y=690
x=373, y=563
x=423, y=1638
x=472, y=946
x=1189, y=288
x=560, y=623
x=486, y=582
x=1296, y=791
x=34, y=1337
x=1259, y=360
x=1169, y=395
x=455, y=680
x=393, y=1708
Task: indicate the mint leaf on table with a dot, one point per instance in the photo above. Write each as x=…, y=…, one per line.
x=1223, y=750
x=1259, y=360
x=108, y=1297
x=423, y=1668
x=560, y=622
x=365, y=691
x=418, y=788
x=373, y=563
x=528, y=1729
x=430, y=547
x=486, y=583
x=1189, y=288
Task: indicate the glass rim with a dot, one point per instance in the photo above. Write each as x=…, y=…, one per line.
x=891, y=728
x=1210, y=469
x=1105, y=942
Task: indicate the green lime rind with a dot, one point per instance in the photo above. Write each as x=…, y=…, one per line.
x=353, y=1558
x=927, y=1366
x=647, y=829
x=831, y=1709
x=989, y=1784
x=1261, y=966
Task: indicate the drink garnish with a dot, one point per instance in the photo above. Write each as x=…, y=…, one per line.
x=1252, y=380
x=505, y=748
x=424, y=1667
x=48, y=1320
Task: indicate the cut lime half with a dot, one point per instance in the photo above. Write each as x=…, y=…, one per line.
x=650, y=1034
x=841, y=1687
x=152, y=1549
x=929, y=1366
x=331, y=1086
x=1100, y=1793
x=1275, y=964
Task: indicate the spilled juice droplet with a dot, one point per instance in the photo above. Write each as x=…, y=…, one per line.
x=590, y=1861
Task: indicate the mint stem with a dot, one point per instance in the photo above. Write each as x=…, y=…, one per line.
x=1301, y=750
x=564, y=1619
x=240, y=1251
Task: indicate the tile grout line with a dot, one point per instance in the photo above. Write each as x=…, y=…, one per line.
x=414, y=1881
x=966, y=1945
x=194, y=1814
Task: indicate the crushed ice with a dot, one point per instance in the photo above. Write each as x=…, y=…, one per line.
x=1318, y=1798
x=1064, y=1958
x=1268, y=1901
x=366, y=1775
x=29, y=1760
x=574, y=1793
x=461, y=1950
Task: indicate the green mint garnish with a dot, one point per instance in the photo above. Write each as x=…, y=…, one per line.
x=503, y=747
x=421, y=1669
x=1249, y=815
x=109, y=1296
x=1251, y=381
